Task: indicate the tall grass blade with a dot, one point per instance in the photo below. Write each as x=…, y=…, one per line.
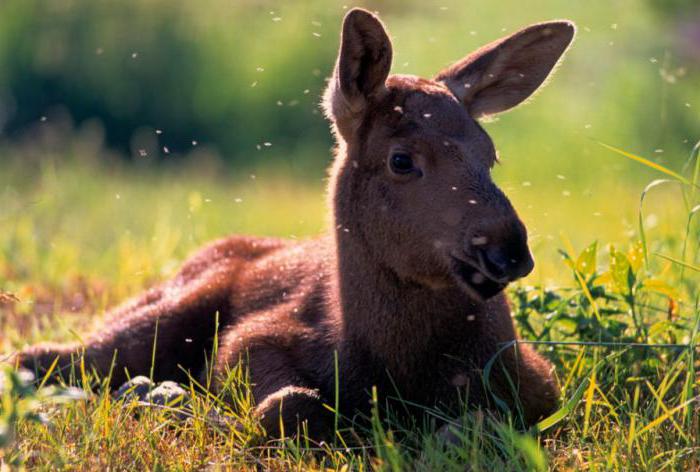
x=691, y=214
x=589, y=403
x=656, y=422
x=696, y=172
x=565, y=410
x=679, y=262
x=573, y=401
x=646, y=162
x=642, y=233
x=689, y=387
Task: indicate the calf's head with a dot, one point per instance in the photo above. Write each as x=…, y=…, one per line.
x=411, y=181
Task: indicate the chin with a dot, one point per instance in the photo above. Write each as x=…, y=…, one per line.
x=474, y=282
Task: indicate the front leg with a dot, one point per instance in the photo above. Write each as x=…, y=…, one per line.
x=288, y=404
x=532, y=376
x=521, y=376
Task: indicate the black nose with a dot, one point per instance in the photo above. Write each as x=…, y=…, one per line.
x=504, y=262
x=501, y=249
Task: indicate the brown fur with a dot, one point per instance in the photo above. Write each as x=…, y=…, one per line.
x=404, y=287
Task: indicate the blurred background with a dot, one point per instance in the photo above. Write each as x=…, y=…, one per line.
x=146, y=127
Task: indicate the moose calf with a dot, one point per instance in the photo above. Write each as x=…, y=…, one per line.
x=406, y=291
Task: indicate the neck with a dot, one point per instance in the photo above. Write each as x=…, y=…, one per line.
x=397, y=321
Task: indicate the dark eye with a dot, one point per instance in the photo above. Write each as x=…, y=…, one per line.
x=401, y=163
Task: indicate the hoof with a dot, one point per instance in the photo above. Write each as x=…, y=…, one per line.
x=448, y=435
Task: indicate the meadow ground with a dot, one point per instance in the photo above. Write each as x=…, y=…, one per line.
x=78, y=236
x=614, y=307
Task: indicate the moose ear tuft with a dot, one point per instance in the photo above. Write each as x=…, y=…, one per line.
x=506, y=72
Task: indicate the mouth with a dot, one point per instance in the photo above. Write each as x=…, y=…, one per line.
x=476, y=281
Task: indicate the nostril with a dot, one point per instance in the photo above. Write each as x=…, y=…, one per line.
x=495, y=261
x=501, y=250
x=502, y=264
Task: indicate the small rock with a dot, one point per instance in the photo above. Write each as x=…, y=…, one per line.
x=24, y=377
x=136, y=389
x=168, y=393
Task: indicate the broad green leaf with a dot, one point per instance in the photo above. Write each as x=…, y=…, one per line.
x=586, y=262
x=604, y=279
x=635, y=256
x=619, y=270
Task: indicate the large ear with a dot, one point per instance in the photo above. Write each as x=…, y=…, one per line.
x=363, y=65
x=504, y=73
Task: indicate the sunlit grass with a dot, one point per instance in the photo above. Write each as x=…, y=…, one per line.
x=79, y=233
x=78, y=237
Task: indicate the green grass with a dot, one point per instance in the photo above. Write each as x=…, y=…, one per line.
x=80, y=232
x=79, y=236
